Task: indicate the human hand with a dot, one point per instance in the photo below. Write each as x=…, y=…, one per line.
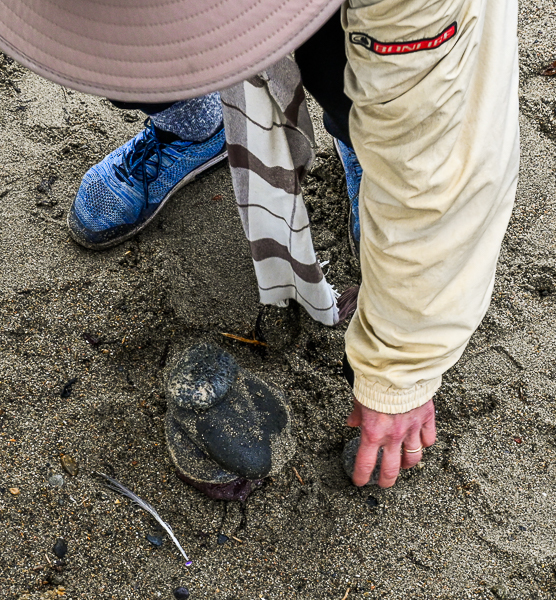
x=413, y=429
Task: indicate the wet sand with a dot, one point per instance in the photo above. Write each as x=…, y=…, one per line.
x=476, y=520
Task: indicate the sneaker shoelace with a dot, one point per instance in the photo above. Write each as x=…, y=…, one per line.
x=134, y=162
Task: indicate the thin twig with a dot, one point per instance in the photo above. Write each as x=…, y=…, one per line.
x=244, y=340
x=347, y=593
x=237, y=539
x=298, y=476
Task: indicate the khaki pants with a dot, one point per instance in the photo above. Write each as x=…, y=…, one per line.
x=435, y=127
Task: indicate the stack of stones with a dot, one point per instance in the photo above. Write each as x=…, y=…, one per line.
x=226, y=429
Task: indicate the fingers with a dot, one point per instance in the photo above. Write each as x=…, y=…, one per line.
x=364, y=462
x=412, y=442
x=428, y=431
x=390, y=468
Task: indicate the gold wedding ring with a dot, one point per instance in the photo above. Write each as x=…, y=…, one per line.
x=412, y=451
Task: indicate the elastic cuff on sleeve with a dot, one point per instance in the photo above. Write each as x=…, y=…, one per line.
x=390, y=400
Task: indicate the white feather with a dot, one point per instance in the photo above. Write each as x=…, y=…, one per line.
x=116, y=486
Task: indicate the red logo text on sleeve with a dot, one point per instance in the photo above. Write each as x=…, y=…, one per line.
x=384, y=48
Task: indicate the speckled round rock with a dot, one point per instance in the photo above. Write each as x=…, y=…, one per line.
x=202, y=377
x=223, y=422
x=348, y=460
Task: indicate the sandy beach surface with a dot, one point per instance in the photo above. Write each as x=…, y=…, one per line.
x=87, y=339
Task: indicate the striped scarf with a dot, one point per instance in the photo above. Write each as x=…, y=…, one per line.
x=270, y=149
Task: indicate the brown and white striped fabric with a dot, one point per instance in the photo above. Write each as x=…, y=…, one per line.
x=270, y=149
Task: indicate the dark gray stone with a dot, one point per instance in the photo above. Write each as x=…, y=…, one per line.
x=60, y=548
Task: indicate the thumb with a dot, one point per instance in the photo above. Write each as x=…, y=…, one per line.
x=354, y=419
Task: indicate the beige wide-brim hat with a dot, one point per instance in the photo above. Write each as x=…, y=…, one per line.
x=155, y=50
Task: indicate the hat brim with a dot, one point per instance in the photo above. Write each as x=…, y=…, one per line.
x=155, y=50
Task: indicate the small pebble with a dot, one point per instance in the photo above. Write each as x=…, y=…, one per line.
x=60, y=548
x=372, y=501
x=14, y=491
x=155, y=540
x=69, y=465
x=222, y=539
x=181, y=593
x=56, y=480
x=67, y=389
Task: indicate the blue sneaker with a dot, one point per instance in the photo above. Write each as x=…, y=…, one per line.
x=124, y=192
x=354, y=173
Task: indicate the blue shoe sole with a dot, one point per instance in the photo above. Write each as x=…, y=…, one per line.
x=109, y=238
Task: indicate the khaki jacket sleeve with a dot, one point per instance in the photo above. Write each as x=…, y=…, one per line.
x=434, y=124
